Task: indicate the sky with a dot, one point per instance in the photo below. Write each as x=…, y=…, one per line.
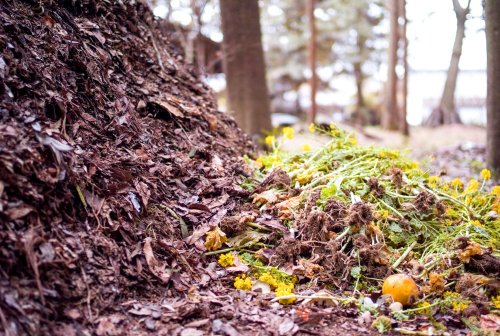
x=431, y=33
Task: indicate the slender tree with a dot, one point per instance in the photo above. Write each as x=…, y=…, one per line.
x=313, y=82
x=446, y=112
x=390, y=115
x=492, y=13
x=244, y=65
x=404, y=83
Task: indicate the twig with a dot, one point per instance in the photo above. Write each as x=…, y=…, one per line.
x=404, y=255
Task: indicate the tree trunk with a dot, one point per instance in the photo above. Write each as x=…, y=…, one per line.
x=492, y=13
x=446, y=113
x=244, y=65
x=404, y=85
x=360, y=99
x=390, y=116
x=313, y=82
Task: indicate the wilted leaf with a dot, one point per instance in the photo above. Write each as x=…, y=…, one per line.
x=471, y=250
x=215, y=238
x=155, y=267
x=268, y=196
x=19, y=212
x=247, y=238
x=490, y=323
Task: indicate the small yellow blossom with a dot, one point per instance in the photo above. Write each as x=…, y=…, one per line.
x=353, y=140
x=457, y=183
x=304, y=178
x=496, y=301
x=434, y=179
x=312, y=128
x=306, y=148
x=288, y=132
x=449, y=294
x=243, y=282
x=472, y=186
x=496, y=207
x=382, y=214
x=269, y=279
x=496, y=190
x=485, y=174
x=423, y=307
x=459, y=307
x=284, y=289
x=270, y=140
x=476, y=223
x=226, y=260
x=479, y=200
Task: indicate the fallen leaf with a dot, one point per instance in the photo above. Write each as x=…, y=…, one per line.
x=155, y=267
x=215, y=238
x=490, y=323
x=19, y=212
x=268, y=196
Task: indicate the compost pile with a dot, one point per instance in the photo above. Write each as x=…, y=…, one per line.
x=111, y=152
x=361, y=227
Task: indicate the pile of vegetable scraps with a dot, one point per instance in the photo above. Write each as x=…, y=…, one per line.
x=365, y=227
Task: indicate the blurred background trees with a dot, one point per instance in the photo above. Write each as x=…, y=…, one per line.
x=361, y=63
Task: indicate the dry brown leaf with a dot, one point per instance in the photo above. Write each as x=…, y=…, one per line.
x=155, y=267
x=490, y=323
x=471, y=250
x=215, y=238
x=268, y=196
x=19, y=212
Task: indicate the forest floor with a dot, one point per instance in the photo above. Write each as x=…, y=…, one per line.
x=129, y=205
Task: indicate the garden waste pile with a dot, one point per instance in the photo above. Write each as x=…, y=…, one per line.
x=126, y=207
x=365, y=228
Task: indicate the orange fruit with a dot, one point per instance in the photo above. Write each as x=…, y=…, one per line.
x=402, y=288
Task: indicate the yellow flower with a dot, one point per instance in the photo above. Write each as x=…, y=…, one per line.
x=288, y=132
x=306, y=148
x=284, y=289
x=476, y=223
x=472, y=186
x=270, y=140
x=496, y=301
x=434, y=179
x=352, y=140
x=269, y=279
x=260, y=162
x=423, y=306
x=226, y=260
x=485, y=174
x=382, y=214
x=243, y=282
x=457, y=183
x=459, y=307
x=496, y=207
x=312, y=128
x=449, y=294
x=304, y=178
x=496, y=190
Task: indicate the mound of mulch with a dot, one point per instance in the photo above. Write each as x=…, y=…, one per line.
x=114, y=162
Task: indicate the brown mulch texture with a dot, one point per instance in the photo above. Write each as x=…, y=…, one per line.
x=106, y=140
